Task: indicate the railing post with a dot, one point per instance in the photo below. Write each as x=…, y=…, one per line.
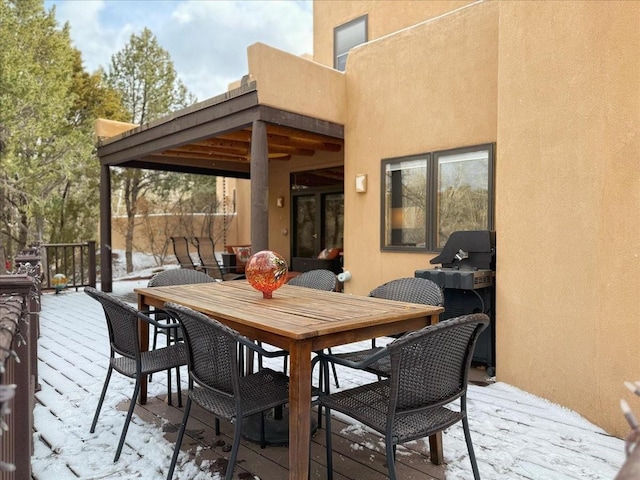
x=17, y=442
x=34, y=271
x=92, y=263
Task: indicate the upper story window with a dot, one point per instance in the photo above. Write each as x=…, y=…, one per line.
x=427, y=197
x=345, y=37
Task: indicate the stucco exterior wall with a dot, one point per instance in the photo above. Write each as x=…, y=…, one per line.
x=430, y=87
x=297, y=84
x=568, y=197
x=384, y=17
x=279, y=184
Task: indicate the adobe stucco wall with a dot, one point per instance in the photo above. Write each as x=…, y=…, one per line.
x=384, y=17
x=557, y=86
x=297, y=84
x=430, y=87
x=568, y=200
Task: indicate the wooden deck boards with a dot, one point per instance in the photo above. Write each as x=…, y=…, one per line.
x=516, y=435
x=351, y=459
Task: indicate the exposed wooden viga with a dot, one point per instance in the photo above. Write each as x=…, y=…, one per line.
x=235, y=146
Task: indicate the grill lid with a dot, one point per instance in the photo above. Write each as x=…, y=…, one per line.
x=469, y=250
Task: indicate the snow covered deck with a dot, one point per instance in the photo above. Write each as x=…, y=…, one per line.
x=515, y=435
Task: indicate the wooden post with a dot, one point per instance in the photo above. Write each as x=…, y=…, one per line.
x=259, y=187
x=106, y=272
x=17, y=442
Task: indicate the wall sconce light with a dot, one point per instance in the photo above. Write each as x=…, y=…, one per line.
x=361, y=182
x=280, y=202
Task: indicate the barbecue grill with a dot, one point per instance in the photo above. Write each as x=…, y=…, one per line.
x=467, y=276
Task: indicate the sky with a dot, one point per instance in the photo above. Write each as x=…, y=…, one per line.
x=206, y=39
x=516, y=435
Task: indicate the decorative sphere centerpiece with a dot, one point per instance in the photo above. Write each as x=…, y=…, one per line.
x=266, y=271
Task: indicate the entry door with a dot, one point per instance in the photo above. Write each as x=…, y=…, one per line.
x=318, y=220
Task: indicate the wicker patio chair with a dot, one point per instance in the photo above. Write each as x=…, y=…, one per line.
x=209, y=262
x=181, y=251
x=217, y=382
x=125, y=355
x=429, y=371
x=174, y=276
x=410, y=289
x=319, y=279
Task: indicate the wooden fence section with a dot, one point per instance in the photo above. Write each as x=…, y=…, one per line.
x=19, y=307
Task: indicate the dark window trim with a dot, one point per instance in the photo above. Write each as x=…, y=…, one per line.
x=364, y=17
x=432, y=188
x=383, y=176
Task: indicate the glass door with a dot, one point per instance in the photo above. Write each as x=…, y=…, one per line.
x=305, y=238
x=317, y=217
x=318, y=221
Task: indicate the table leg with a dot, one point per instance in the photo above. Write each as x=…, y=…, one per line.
x=299, y=410
x=143, y=338
x=436, y=452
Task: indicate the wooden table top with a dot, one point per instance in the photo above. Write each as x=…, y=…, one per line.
x=295, y=313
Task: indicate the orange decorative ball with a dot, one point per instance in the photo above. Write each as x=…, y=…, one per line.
x=266, y=271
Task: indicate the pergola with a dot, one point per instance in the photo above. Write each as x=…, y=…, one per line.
x=231, y=135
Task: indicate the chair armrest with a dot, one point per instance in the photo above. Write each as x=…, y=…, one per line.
x=374, y=357
x=144, y=316
x=257, y=348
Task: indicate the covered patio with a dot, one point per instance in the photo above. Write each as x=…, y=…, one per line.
x=230, y=135
x=516, y=435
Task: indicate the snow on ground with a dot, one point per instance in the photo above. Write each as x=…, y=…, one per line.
x=516, y=435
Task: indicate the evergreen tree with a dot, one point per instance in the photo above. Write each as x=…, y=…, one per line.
x=36, y=74
x=143, y=73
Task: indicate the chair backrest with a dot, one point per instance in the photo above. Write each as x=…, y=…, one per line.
x=212, y=350
x=318, y=279
x=429, y=367
x=179, y=276
x=410, y=289
x=122, y=323
x=207, y=254
x=206, y=250
x=181, y=251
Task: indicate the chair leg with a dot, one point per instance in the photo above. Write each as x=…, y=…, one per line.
x=391, y=458
x=179, y=387
x=169, y=400
x=176, y=449
x=328, y=442
x=325, y=387
x=102, y=395
x=155, y=340
x=128, y=419
x=263, y=439
x=234, y=450
x=472, y=455
x=335, y=373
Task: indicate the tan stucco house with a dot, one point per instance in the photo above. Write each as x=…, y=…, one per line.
x=539, y=100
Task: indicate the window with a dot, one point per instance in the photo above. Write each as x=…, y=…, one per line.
x=345, y=37
x=427, y=197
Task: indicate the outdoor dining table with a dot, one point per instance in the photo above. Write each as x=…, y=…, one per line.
x=301, y=321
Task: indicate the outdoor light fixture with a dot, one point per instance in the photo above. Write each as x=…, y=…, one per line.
x=361, y=183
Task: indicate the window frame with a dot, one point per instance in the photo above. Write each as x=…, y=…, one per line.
x=432, y=186
x=336, y=31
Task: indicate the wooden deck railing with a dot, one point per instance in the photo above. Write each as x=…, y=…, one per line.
x=76, y=261
x=19, y=320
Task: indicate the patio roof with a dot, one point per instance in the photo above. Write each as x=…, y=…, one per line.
x=230, y=135
x=214, y=137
